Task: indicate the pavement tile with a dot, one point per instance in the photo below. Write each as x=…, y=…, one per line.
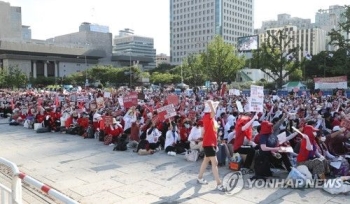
x=91, y=172
x=308, y=195
x=102, y=198
x=91, y=188
x=343, y=198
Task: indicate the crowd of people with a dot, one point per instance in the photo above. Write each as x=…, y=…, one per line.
x=315, y=127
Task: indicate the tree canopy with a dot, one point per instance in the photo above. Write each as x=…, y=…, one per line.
x=276, y=58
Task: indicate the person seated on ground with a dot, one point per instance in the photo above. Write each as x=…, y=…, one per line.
x=40, y=116
x=196, y=137
x=336, y=141
x=152, y=136
x=244, y=131
x=112, y=132
x=129, y=118
x=269, y=145
x=135, y=134
x=72, y=125
x=143, y=146
x=307, y=153
x=83, y=123
x=172, y=141
x=184, y=131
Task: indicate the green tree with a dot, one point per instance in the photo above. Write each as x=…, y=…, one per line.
x=193, y=70
x=162, y=68
x=276, y=58
x=161, y=78
x=220, y=63
x=2, y=77
x=15, y=78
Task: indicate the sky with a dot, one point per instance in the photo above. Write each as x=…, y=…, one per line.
x=50, y=18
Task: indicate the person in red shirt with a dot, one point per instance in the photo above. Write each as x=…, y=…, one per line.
x=210, y=142
x=307, y=153
x=185, y=130
x=113, y=131
x=244, y=131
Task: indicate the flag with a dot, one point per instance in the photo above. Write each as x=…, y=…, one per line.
x=330, y=55
x=57, y=102
x=307, y=55
x=12, y=105
x=290, y=57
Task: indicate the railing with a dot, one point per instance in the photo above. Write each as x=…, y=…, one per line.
x=14, y=195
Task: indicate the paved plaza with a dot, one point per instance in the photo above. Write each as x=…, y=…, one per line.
x=90, y=172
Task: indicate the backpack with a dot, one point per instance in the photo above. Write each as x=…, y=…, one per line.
x=121, y=144
x=89, y=133
x=262, y=164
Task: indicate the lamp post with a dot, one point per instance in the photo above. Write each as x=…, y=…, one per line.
x=86, y=68
x=130, y=70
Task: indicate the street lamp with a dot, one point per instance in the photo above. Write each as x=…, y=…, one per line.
x=86, y=67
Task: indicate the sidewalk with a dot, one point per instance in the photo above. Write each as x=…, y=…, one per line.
x=91, y=172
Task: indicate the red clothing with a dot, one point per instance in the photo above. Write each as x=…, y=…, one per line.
x=335, y=122
x=184, y=132
x=305, y=154
x=210, y=131
x=100, y=124
x=240, y=134
x=115, y=132
x=40, y=118
x=83, y=122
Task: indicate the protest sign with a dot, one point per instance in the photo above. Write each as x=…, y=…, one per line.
x=166, y=112
x=130, y=100
x=173, y=99
x=256, y=100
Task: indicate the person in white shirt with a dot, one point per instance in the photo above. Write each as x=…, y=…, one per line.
x=195, y=137
x=153, y=135
x=172, y=139
x=129, y=118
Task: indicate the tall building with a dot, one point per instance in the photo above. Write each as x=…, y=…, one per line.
x=10, y=21
x=328, y=19
x=162, y=59
x=194, y=23
x=286, y=20
x=93, y=27
x=133, y=48
x=26, y=33
x=311, y=40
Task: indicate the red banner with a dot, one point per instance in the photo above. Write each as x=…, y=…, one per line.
x=173, y=99
x=166, y=112
x=130, y=100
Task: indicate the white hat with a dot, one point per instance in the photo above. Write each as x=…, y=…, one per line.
x=336, y=128
x=255, y=123
x=207, y=108
x=114, y=121
x=96, y=116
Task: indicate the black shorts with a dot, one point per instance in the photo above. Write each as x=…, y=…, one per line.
x=209, y=151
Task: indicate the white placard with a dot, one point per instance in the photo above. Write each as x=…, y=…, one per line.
x=282, y=137
x=239, y=106
x=107, y=94
x=256, y=100
x=234, y=92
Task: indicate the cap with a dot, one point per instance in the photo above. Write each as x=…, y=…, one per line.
x=336, y=128
x=207, y=107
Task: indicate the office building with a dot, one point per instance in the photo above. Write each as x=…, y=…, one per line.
x=194, y=23
x=285, y=20
x=129, y=49
x=93, y=27
x=312, y=40
x=26, y=33
x=10, y=21
x=100, y=42
x=162, y=59
x=328, y=19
